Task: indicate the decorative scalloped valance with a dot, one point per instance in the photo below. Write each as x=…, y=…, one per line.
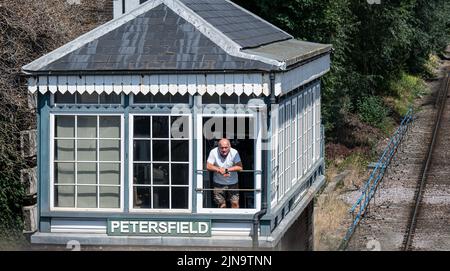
x=220, y=84
x=225, y=83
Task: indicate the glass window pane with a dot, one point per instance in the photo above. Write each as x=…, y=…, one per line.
x=160, y=150
x=179, y=127
x=141, y=150
x=87, y=197
x=142, y=197
x=109, y=197
x=65, y=173
x=160, y=174
x=87, y=98
x=87, y=150
x=65, y=196
x=141, y=127
x=141, y=174
x=180, y=198
x=109, y=173
x=65, y=126
x=87, y=127
x=112, y=98
x=180, y=150
x=65, y=150
x=160, y=127
x=208, y=99
x=109, y=150
x=162, y=99
x=160, y=197
x=233, y=99
x=142, y=99
x=244, y=99
x=87, y=173
x=180, y=99
x=65, y=98
x=110, y=127
x=180, y=174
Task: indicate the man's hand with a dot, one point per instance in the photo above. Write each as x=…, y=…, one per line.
x=221, y=171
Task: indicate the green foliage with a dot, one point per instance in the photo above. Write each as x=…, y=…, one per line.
x=373, y=45
x=372, y=111
x=11, y=190
x=405, y=90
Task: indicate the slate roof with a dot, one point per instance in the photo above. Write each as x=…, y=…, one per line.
x=243, y=27
x=180, y=35
x=157, y=40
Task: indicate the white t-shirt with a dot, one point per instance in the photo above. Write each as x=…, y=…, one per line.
x=231, y=160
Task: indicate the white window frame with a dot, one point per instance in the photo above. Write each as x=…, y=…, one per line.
x=317, y=123
x=305, y=133
x=281, y=147
x=52, y=100
x=189, y=103
x=287, y=148
x=131, y=166
x=274, y=157
x=200, y=163
x=300, y=116
x=294, y=140
x=52, y=163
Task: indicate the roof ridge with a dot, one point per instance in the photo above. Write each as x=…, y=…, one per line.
x=202, y=25
x=233, y=48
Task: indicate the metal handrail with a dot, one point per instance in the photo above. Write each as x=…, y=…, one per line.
x=201, y=171
x=227, y=189
x=359, y=208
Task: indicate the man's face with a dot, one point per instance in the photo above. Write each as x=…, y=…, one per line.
x=224, y=148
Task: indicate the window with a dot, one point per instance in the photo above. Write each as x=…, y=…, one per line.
x=310, y=128
x=225, y=99
x=317, y=124
x=281, y=147
x=241, y=133
x=300, y=130
x=160, y=168
x=87, y=161
x=87, y=98
x=161, y=99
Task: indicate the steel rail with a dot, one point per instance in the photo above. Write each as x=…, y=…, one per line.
x=418, y=196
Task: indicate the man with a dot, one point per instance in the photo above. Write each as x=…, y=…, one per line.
x=225, y=162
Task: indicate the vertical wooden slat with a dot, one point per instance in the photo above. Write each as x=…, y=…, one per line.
x=192, y=84
x=220, y=84
x=108, y=84
x=173, y=84
x=201, y=84
x=90, y=84
x=72, y=84
x=210, y=84
x=154, y=84
x=164, y=84
x=32, y=86
x=52, y=84
x=182, y=84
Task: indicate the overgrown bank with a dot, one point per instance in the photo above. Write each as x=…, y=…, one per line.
x=28, y=30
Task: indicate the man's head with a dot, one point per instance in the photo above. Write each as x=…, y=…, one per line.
x=224, y=147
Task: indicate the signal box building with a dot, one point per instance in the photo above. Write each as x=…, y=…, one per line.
x=128, y=113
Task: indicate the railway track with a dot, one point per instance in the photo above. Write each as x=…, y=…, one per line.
x=411, y=210
x=429, y=225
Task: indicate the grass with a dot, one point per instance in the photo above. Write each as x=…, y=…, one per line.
x=405, y=90
x=331, y=216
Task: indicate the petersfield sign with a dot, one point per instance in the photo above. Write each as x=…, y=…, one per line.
x=159, y=228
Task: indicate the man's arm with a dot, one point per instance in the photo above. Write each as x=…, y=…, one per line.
x=236, y=168
x=213, y=168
